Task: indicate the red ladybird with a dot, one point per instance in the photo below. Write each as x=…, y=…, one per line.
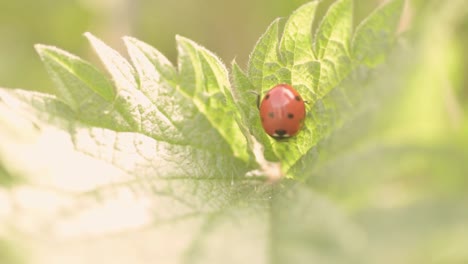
x=282, y=111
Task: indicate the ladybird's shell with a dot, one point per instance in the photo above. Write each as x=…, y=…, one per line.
x=282, y=111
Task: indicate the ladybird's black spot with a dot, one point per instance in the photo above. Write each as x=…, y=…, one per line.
x=298, y=98
x=290, y=115
x=263, y=120
x=280, y=133
x=267, y=96
x=271, y=115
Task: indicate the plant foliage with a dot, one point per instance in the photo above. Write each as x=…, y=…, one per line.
x=169, y=163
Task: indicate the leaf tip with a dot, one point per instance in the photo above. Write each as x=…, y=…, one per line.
x=130, y=42
x=52, y=51
x=91, y=38
x=234, y=62
x=129, y=39
x=179, y=37
x=39, y=47
x=184, y=40
x=88, y=34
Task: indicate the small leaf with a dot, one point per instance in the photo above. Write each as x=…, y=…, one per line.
x=247, y=100
x=79, y=84
x=129, y=101
x=164, y=72
x=120, y=69
x=163, y=111
x=207, y=83
x=244, y=94
x=159, y=83
x=296, y=41
x=332, y=42
x=334, y=31
x=314, y=78
x=375, y=35
x=264, y=61
x=75, y=79
x=296, y=51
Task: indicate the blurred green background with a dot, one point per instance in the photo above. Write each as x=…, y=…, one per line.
x=228, y=28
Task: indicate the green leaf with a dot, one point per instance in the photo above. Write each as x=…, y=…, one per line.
x=334, y=30
x=206, y=82
x=247, y=100
x=129, y=101
x=150, y=190
x=159, y=83
x=75, y=78
x=48, y=117
x=332, y=41
x=296, y=41
x=158, y=102
x=375, y=35
x=264, y=61
x=82, y=87
x=314, y=76
x=296, y=50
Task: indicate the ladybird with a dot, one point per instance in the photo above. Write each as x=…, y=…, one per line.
x=282, y=111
